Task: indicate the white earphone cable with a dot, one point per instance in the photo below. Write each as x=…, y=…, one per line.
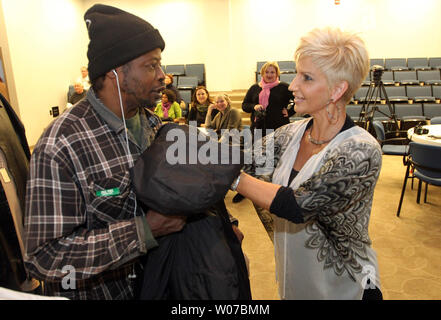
x=124, y=122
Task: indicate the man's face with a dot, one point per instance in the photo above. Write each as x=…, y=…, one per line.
x=143, y=81
x=78, y=88
x=84, y=72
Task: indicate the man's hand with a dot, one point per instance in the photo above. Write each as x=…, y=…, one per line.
x=161, y=224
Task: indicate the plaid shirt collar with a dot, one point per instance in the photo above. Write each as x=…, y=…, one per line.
x=116, y=124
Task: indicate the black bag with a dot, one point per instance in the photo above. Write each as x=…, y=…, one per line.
x=205, y=259
x=202, y=262
x=201, y=177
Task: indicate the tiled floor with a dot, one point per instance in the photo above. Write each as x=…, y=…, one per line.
x=258, y=248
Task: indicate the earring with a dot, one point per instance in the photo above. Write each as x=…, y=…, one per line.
x=327, y=109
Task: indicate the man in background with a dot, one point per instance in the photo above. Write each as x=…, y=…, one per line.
x=78, y=94
x=84, y=78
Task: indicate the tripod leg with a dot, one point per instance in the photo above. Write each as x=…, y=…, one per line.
x=403, y=190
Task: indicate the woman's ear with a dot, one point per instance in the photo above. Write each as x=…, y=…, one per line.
x=339, y=90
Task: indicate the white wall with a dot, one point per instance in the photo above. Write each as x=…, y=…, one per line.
x=46, y=45
x=48, y=40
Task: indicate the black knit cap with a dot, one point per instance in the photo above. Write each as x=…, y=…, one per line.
x=117, y=37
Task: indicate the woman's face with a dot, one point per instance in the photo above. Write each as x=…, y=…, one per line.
x=164, y=98
x=201, y=96
x=221, y=104
x=270, y=74
x=310, y=88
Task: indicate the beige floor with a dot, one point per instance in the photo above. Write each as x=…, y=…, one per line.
x=408, y=248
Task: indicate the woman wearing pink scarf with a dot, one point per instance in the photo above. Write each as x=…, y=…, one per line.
x=268, y=100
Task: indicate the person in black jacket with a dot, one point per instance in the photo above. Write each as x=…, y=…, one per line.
x=268, y=100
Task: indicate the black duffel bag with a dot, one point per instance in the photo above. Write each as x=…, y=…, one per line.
x=180, y=175
x=205, y=259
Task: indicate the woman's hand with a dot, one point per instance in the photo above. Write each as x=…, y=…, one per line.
x=211, y=107
x=258, y=107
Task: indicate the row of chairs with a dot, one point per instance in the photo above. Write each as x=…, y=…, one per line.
x=187, y=73
x=389, y=78
x=396, y=64
x=389, y=64
x=404, y=94
x=413, y=77
x=408, y=116
x=425, y=110
x=287, y=67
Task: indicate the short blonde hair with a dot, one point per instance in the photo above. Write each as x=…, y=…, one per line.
x=270, y=64
x=341, y=56
x=224, y=96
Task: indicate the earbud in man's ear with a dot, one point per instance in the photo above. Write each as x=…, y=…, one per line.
x=114, y=72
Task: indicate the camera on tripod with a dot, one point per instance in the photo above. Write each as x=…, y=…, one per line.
x=377, y=73
x=374, y=94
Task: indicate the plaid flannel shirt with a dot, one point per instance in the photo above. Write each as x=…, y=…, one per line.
x=80, y=206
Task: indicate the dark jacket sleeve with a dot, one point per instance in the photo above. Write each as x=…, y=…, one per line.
x=251, y=99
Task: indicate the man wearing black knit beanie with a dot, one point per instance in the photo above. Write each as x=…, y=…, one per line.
x=84, y=228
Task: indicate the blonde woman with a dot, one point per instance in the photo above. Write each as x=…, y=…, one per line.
x=227, y=117
x=321, y=186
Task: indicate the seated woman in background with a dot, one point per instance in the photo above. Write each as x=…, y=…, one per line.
x=168, y=108
x=169, y=85
x=320, y=184
x=226, y=118
x=200, y=101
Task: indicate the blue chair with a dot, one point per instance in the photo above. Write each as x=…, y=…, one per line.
x=420, y=93
x=432, y=110
x=196, y=70
x=426, y=163
x=395, y=64
x=287, y=66
x=392, y=146
x=435, y=62
x=185, y=95
x=406, y=78
x=287, y=77
x=418, y=63
x=187, y=83
x=435, y=120
x=429, y=77
x=175, y=69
